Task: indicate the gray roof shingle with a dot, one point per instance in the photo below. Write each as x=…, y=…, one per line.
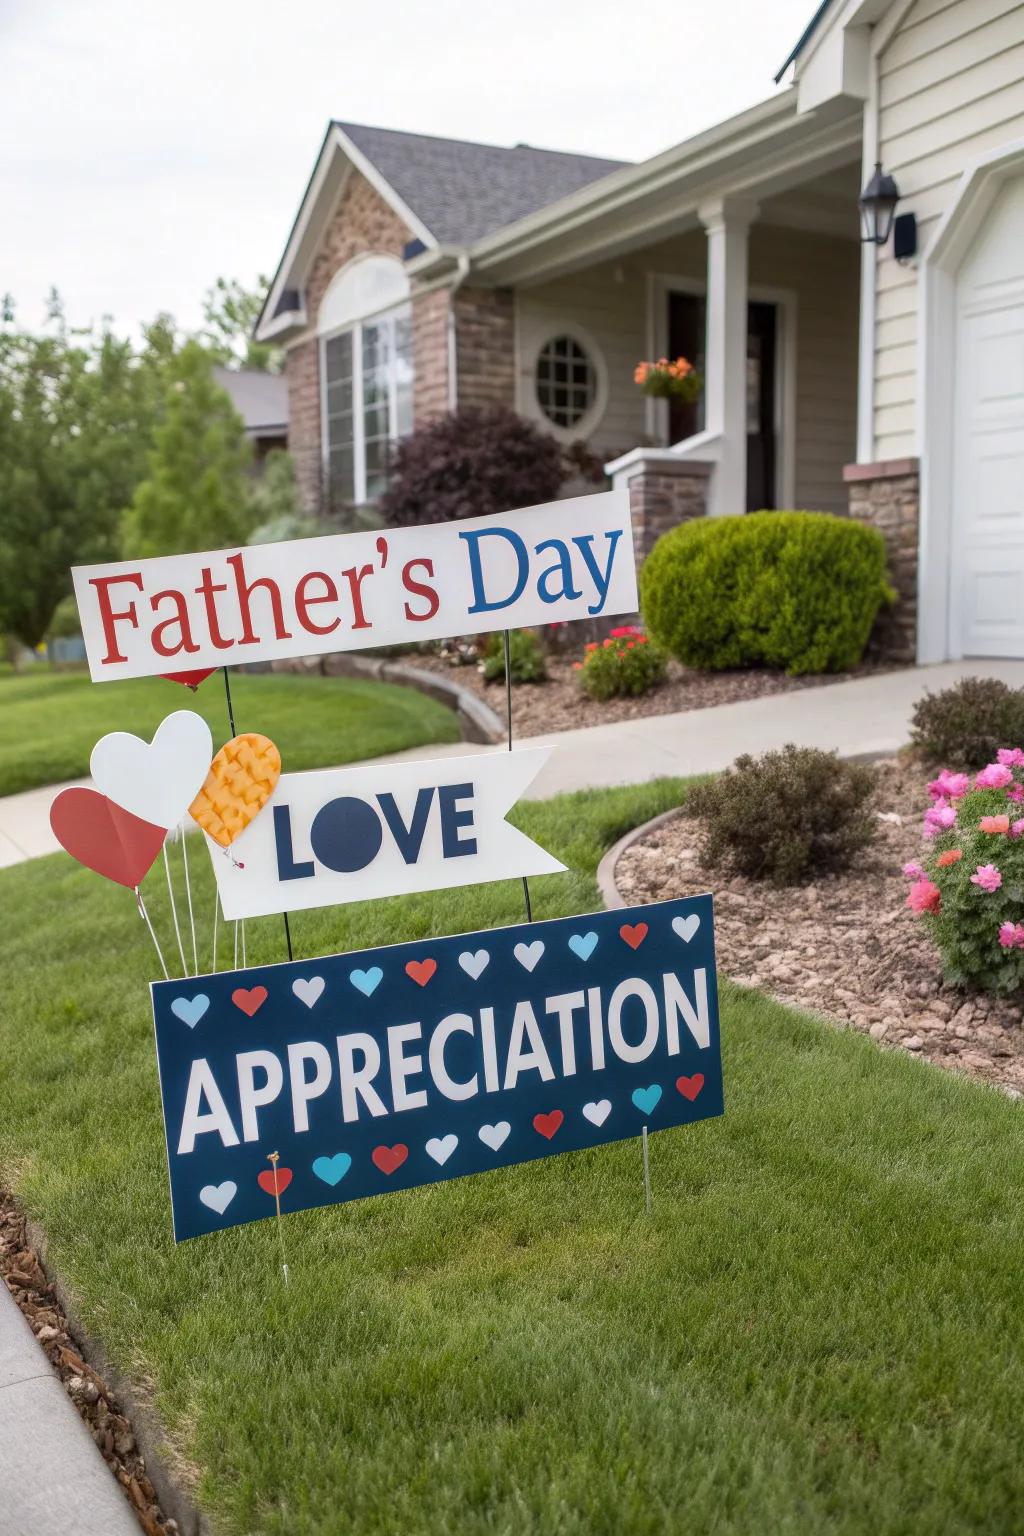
x=463, y=191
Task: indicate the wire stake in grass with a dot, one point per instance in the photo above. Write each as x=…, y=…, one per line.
x=273, y=1158
x=188, y=894
x=156, y=942
x=174, y=912
x=647, y=1173
x=506, y=637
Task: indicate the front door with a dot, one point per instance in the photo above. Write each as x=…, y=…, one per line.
x=686, y=327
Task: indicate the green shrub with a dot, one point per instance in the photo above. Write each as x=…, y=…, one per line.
x=969, y=886
x=626, y=664
x=796, y=590
x=785, y=815
x=968, y=723
x=526, y=658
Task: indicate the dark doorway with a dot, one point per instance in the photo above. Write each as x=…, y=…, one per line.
x=686, y=330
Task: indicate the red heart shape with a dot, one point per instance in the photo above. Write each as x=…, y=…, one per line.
x=421, y=970
x=633, y=933
x=274, y=1181
x=548, y=1124
x=105, y=837
x=249, y=1000
x=189, y=679
x=689, y=1087
x=387, y=1159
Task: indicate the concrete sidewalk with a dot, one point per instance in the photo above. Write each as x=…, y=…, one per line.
x=870, y=714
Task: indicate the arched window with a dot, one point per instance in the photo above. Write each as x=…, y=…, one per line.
x=365, y=330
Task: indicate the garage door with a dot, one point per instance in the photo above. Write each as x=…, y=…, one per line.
x=987, y=577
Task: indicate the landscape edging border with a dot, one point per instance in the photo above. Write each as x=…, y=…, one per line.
x=610, y=894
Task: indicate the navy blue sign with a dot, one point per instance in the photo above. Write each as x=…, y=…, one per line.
x=388, y=1068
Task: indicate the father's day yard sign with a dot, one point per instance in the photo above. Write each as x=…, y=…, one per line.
x=388, y=1068
x=563, y=560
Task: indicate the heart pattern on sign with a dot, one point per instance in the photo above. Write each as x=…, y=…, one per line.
x=421, y=970
x=689, y=1087
x=309, y=990
x=219, y=1196
x=367, y=982
x=249, y=999
x=495, y=1136
x=387, y=1159
x=583, y=944
x=529, y=955
x=440, y=1148
x=474, y=962
x=597, y=1113
x=274, y=1181
x=548, y=1124
x=646, y=1099
x=686, y=927
x=241, y=779
x=190, y=1009
x=332, y=1169
x=155, y=780
x=634, y=934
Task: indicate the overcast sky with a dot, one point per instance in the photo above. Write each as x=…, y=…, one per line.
x=146, y=148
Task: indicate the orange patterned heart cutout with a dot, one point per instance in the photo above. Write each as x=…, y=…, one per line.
x=240, y=782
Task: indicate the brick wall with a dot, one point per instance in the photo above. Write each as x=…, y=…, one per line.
x=485, y=344
x=887, y=496
x=430, y=355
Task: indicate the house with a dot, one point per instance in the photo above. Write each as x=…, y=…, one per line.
x=884, y=379
x=261, y=399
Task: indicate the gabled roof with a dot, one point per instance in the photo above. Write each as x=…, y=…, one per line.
x=261, y=399
x=461, y=191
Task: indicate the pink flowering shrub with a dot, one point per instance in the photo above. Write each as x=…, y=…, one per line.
x=968, y=884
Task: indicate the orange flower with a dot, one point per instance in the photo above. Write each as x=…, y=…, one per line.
x=994, y=824
x=950, y=856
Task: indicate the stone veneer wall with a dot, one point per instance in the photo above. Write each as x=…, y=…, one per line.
x=662, y=495
x=485, y=347
x=887, y=496
x=430, y=397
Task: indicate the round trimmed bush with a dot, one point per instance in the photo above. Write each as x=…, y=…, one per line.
x=968, y=723
x=794, y=590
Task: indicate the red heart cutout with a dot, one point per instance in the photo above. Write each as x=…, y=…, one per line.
x=547, y=1125
x=633, y=933
x=689, y=1087
x=189, y=679
x=249, y=1000
x=387, y=1159
x=421, y=970
x=104, y=837
x=274, y=1181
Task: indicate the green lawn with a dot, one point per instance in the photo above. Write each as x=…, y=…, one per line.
x=50, y=721
x=820, y=1328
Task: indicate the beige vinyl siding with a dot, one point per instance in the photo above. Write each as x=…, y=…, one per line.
x=950, y=88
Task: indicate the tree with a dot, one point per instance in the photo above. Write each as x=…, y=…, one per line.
x=231, y=312
x=197, y=490
x=278, y=512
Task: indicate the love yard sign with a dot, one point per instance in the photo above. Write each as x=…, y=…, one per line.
x=407, y=1065
x=182, y=615
x=352, y=834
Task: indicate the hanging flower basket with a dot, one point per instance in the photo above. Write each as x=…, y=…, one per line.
x=670, y=381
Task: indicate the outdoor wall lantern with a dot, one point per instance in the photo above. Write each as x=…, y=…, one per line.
x=878, y=216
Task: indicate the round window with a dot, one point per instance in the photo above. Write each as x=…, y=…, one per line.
x=566, y=381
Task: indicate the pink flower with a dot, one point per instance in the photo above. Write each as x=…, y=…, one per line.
x=1011, y=935
x=924, y=897
x=995, y=776
x=913, y=872
x=994, y=824
x=952, y=786
x=1010, y=757
x=938, y=818
x=1017, y=828
x=987, y=878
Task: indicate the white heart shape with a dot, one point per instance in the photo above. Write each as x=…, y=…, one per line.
x=474, y=962
x=494, y=1136
x=156, y=780
x=309, y=990
x=686, y=927
x=597, y=1112
x=218, y=1196
x=529, y=954
x=440, y=1148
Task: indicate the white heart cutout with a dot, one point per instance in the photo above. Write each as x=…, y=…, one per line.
x=597, y=1113
x=440, y=1148
x=686, y=927
x=309, y=990
x=474, y=962
x=495, y=1136
x=156, y=780
x=218, y=1196
x=529, y=954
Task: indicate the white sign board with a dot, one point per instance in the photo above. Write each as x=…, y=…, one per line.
x=352, y=834
x=563, y=560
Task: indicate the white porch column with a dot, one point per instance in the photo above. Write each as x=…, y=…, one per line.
x=727, y=222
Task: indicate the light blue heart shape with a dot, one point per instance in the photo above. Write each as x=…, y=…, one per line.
x=332, y=1169
x=646, y=1099
x=190, y=1009
x=583, y=944
x=367, y=982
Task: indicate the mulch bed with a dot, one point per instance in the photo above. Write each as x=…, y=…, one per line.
x=845, y=945
x=561, y=705
x=26, y=1280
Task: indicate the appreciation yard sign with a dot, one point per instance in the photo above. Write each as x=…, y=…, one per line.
x=388, y=1068
x=569, y=559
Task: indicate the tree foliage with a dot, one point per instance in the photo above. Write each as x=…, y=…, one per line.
x=231, y=311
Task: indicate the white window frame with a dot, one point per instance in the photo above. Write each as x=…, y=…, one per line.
x=594, y=413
